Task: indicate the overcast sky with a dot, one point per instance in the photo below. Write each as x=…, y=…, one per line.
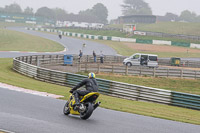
x=159, y=7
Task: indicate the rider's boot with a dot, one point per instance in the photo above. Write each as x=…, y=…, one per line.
x=77, y=102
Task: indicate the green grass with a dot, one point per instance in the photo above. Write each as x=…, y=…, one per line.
x=7, y=75
x=167, y=27
x=172, y=28
x=17, y=41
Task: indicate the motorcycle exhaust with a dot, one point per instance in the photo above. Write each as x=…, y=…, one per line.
x=96, y=105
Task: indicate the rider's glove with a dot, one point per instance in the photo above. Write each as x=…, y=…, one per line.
x=71, y=91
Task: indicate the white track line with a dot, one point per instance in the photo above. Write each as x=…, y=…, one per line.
x=45, y=94
x=6, y=131
x=35, y=52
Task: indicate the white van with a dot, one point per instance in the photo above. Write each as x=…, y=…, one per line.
x=139, y=59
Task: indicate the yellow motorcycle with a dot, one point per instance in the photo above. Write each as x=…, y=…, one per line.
x=87, y=105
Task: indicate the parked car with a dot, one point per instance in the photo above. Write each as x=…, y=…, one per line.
x=140, y=59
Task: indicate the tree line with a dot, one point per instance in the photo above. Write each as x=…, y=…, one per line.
x=98, y=13
x=140, y=7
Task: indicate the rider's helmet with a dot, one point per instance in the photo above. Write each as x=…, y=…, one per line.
x=91, y=75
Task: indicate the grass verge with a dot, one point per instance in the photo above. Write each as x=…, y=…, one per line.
x=17, y=41
x=7, y=75
x=167, y=27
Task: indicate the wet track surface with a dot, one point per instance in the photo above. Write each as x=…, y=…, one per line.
x=27, y=113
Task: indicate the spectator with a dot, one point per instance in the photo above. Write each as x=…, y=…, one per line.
x=80, y=55
x=101, y=57
x=95, y=56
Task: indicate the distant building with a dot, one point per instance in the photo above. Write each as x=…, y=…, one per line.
x=79, y=24
x=167, y=18
x=137, y=19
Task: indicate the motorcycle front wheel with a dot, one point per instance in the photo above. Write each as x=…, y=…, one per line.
x=88, y=112
x=66, y=109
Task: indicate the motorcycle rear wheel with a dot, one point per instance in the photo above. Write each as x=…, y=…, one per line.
x=88, y=111
x=66, y=109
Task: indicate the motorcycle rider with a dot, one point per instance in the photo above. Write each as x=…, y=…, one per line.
x=91, y=85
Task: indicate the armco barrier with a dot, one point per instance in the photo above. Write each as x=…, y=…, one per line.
x=112, y=88
x=160, y=42
x=192, y=45
x=123, y=90
x=180, y=44
x=127, y=40
x=186, y=100
x=144, y=41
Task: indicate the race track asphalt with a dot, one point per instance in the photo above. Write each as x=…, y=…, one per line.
x=27, y=113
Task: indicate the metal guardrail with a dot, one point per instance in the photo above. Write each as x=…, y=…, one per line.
x=186, y=100
x=112, y=88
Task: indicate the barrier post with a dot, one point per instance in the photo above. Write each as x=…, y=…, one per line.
x=181, y=73
x=167, y=72
x=154, y=72
x=140, y=71
x=126, y=70
x=85, y=67
x=79, y=67
x=98, y=71
x=112, y=68
x=195, y=74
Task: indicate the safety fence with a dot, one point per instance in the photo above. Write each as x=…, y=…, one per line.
x=58, y=59
x=112, y=64
x=140, y=71
x=192, y=63
x=119, y=39
x=25, y=66
x=42, y=60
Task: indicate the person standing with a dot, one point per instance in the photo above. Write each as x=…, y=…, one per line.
x=95, y=56
x=80, y=55
x=101, y=57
